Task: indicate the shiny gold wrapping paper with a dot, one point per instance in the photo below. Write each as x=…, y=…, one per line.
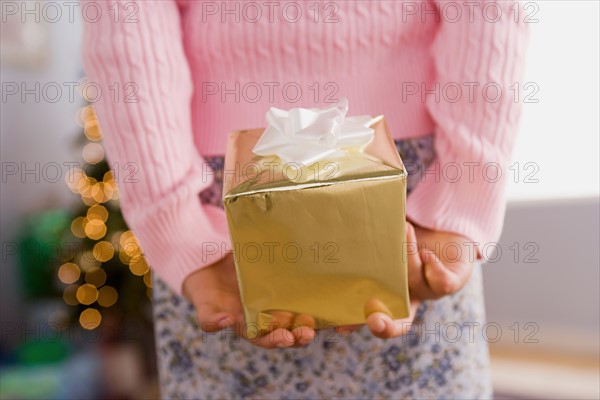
x=322, y=239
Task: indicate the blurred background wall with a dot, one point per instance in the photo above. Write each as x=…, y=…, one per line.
x=36, y=132
x=50, y=346
x=542, y=291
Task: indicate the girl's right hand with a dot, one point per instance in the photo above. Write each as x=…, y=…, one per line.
x=214, y=292
x=379, y=321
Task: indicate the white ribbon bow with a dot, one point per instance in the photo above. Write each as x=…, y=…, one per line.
x=307, y=135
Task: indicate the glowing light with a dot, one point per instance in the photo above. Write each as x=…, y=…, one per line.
x=88, y=201
x=87, y=294
x=92, y=130
x=114, y=239
x=124, y=257
x=90, y=318
x=108, y=177
x=97, y=192
x=107, y=296
x=95, y=229
x=148, y=279
x=85, y=184
x=84, y=115
x=70, y=295
x=87, y=113
x=78, y=227
x=96, y=276
x=73, y=177
x=87, y=261
x=68, y=273
x=97, y=212
x=111, y=190
x=125, y=236
x=131, y=251
x=93, y=153
x=139, y=266
x=130, y=244
x=103, y=251
x=107, y=191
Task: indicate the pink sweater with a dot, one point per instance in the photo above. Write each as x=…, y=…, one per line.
x=187, y=73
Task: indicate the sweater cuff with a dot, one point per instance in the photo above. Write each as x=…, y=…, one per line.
x=180, y=235
x=469, y=206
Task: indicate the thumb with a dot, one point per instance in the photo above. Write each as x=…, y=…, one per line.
x=440, y=279
x=414, y=262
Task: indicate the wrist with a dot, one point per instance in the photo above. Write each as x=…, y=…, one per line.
x=204, y=274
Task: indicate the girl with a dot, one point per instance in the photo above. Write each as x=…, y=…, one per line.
x=191, y=71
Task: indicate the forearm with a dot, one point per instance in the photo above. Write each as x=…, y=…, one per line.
x=150, y=134
x=464, y=190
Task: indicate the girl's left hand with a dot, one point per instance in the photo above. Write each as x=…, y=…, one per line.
x=381, y=324
x=378, y=316
x=439, y=264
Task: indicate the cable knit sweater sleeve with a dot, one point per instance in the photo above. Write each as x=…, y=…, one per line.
x=148, y=134
x=475, y=132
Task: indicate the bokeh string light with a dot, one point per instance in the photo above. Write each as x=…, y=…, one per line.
x=69, y=273
x=90, y=318
x=84, y=275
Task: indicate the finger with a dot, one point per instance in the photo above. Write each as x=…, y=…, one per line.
x=273, y=320
x=379, y=319
x=304, y=320
x=278, y=338
x=414, y=263
x=442, y=280
x=281, y=319
x=411, y=235
x=417, y=283
x=413, y=257
x=303, y=329
x=303, y=335
x=384, y=327
x=375, y=305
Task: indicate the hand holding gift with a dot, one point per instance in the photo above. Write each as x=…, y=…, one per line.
x=214, y=292
x=315, y=209
x=433, y=273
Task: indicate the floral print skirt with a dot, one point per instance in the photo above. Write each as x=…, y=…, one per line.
x=444, y=356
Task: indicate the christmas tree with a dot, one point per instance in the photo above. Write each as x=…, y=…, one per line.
x=103, y=272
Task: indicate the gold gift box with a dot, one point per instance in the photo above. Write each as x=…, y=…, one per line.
x=321, y=239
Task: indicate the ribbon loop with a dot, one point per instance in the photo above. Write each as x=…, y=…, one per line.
x=307, y=135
